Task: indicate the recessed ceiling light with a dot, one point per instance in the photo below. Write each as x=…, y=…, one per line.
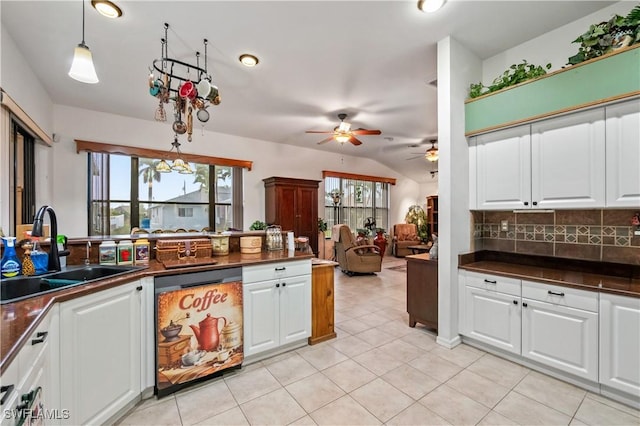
x=430, y=6
x=248, y=60
x=106, y=8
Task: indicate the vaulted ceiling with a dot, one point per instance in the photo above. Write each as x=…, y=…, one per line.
x=374, y=60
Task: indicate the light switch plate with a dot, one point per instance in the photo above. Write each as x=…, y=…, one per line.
x=504, y=225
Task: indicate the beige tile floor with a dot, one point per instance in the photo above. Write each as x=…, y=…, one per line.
x=380, y=371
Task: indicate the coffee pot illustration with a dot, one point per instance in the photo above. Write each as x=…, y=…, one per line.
x=207, y=332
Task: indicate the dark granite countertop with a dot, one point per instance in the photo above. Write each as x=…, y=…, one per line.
x=21, y=318
x=603, y=277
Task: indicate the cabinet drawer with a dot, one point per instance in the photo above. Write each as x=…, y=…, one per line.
x=10, y=383
x=272, y=271
x=35, y=344
x=562, y=296
x=493, y=283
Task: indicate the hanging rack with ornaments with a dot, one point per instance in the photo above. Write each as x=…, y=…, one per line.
x=188, y=87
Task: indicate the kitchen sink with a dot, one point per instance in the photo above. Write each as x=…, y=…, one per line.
x=19, y=288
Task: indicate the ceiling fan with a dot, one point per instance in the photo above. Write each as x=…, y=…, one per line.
x=431, y=154
x=343, y=133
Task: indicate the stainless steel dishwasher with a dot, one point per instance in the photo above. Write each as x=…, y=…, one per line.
x=198, y=319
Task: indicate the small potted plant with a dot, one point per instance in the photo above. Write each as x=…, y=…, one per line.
x=258, y=226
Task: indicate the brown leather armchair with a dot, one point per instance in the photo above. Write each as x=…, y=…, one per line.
x=404, y=235
x=354, y=257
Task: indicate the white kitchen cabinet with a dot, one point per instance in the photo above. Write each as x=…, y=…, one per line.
x=561, y=337
x=295, y=309
x=623, y=154
x=568, y=161
x=503, y=169
x=261, y=316
x=553, y=163
x=560, y=328
x=277, y=311
x=33, y=375
x=620, y=343
x=490, y=309
x=493, y=318
x=100, y=347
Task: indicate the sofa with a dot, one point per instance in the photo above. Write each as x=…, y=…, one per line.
x=404, y=235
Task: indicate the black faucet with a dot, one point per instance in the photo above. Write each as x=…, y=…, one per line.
x=54, y=255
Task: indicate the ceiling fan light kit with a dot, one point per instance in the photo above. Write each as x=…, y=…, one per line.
x=82, y=68
x=432, y=154
x=342, y=133
x=430, y=6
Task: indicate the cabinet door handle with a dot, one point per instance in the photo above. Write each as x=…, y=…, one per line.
x=535, y=203
x=515, y=302
x=6, y=390
x=41, y=337
x=281, y=269
x=284, y=284
x=526, y=203
x=555, y=293
x=139, y=288
x=490, y=282
x=524, y=304
x=278, y=285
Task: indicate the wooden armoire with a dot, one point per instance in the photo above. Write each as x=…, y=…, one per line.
x=293, y=204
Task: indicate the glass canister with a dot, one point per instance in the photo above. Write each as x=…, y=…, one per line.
x=125, y=252
x=220, y=244
x=274, y=237
x=108, y=255
x=141, y=252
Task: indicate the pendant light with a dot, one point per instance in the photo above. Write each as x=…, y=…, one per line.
x=82, y=68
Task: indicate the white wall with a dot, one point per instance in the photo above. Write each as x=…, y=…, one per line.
x=553, y=47
x=269, y=159
x=18, y=81
x=456, y=68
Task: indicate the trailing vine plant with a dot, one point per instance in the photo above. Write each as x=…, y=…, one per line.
x=517, y=73
x=608, y=36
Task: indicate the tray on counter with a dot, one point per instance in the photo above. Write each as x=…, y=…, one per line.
x=189, y=261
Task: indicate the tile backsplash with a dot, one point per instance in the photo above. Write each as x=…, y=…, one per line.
x=605, y=235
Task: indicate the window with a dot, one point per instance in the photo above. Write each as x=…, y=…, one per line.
x=358, y=201
x=185, y=211
x=128, y=191
x=22, y=177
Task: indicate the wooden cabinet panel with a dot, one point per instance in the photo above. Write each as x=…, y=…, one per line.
x=432, y=214
x=293, y=204
x=322, y=303
x=422, y=290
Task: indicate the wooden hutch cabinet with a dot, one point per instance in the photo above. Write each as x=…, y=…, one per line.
x=293, y=204
x=432, y=214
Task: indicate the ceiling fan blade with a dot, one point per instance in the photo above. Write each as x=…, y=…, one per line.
x=319, y=131
x=354, y=141
x=413, y=158
x=366, y=132
x=330, y=138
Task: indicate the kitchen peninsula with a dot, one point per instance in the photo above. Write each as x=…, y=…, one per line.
x=42, y=330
